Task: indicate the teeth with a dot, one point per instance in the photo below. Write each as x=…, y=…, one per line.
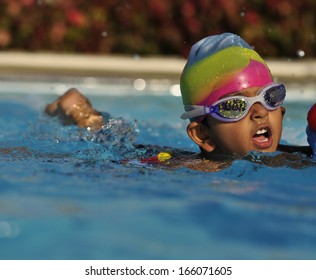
x=261, y=131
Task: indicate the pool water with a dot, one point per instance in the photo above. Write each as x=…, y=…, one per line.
x=66, y=196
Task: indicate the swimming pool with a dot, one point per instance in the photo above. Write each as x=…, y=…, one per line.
x=63, y=197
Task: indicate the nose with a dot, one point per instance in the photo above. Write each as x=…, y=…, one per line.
x=258, y=112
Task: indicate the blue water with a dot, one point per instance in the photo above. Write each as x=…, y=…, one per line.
x=63, y=196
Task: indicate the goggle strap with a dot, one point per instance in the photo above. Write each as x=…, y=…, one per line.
x=193, y=111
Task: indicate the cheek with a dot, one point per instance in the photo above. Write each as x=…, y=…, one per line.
x=276, y=120
x=232, y=138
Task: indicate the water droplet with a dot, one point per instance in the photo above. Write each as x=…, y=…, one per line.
x=300, y=53
x=139, y=84
x=175, y=90
x=9, y=230
x=90, y=82
x=5, y=229
x=243, y=13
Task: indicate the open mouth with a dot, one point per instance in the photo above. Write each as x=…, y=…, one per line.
x=262, y=138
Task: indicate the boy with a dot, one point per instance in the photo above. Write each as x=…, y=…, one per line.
x=229, y=96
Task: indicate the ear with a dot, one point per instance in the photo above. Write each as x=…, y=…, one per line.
x=199, y=134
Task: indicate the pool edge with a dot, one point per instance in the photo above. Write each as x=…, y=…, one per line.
x=22, y=63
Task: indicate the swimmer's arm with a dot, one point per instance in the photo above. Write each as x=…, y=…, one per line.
x=74, y=108
x=14, y=150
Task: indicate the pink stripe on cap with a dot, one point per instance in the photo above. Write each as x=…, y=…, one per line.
x=256, y=74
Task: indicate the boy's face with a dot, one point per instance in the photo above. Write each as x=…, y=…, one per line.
x=260, y=130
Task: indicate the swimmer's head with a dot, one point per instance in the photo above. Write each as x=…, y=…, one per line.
x=220, y=65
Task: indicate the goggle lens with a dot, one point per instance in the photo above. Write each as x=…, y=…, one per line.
x=234, y=108
x=231, y=109
x=274, y=97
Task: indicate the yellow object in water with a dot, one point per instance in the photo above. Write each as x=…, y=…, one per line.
x=163, y=156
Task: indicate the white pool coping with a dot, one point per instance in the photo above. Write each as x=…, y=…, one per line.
x=131, y=66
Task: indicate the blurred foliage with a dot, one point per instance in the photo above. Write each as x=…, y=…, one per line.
x=149, y=27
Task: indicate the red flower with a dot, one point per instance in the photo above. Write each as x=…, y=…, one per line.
x=5, y=38
x=76, y=18
x=252, y=17
x=28, y=2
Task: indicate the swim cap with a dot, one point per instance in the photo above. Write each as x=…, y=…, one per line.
x=219, y=65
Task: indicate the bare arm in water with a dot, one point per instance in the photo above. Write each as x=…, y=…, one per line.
x=74, y=108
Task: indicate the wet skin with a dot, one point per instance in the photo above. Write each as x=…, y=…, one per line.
x=74, y=108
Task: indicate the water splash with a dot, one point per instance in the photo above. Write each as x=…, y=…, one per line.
x=300, y=53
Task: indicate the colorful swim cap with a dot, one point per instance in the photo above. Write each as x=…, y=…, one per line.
x=219, y=65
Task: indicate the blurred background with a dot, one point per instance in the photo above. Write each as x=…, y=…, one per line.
x=283, y=28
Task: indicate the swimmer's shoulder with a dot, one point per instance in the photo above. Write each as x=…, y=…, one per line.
x=195, y=161
x=295, y=157
x=172, y=159
x=295, y=149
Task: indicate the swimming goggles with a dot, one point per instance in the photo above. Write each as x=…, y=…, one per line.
x=234, y=108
